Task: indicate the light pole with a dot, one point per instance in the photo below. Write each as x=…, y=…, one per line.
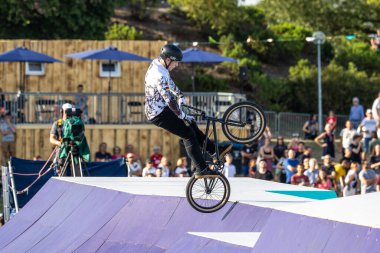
x=318, y=39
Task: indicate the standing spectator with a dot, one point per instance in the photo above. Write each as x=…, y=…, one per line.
x=252, y=168
x=290, y=165
x=312, y=171
x=156, y=156
x=116, y=153
x=133, y=166
x=8, y=140
x=81, y=101
x=375, y=41
x=149, y=170
x=328, y=141
x=375, y=159
x=299, y=178
x=356, y=149
x=331, y=120
x=373, y=142
x=247, y=153
x=229, y=168
x=323, y=182
x=267, y=134
x=102, y=155
x=367, y=126
x=181, y=170
x=367, y=178
x=356, y=113
x=376, y=109
x=262, y=173
x=293, y=144
x=164, y=166
x=351, y=180
x=346, y=136
x=311, y=128
x=267, y=153
x=279, y=149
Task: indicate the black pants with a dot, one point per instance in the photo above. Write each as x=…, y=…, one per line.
x=192, y=136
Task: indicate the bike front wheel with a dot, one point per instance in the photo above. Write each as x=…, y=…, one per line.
x=208, y=194
x=244, y=122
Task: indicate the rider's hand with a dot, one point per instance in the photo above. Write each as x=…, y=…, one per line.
x=187, y=117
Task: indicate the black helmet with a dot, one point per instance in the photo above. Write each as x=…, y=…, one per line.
x=172, y=52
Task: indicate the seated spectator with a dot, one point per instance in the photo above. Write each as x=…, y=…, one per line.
x=378, y=184
x=266, y=152
x=306, y=154
x=133, y=166
x=159, y=172
x=37, y=158
x=367, y=178
x=8, y=139
x=312, y=172
x=280, y=173
x=229, y=169
x=299, y=178
x=311, y=128
x=252, y=168
x=164, y=166
x=247, y=153
x=346, y=136
x=102, y=155
x=149, y=170
x=340, y=172
x=347, y=154
x=356, y=113
x=181, y=170
x=279, y=149
x=156, y=156
x=356, y=149
x=373, y=142
x=351, y=180
x=323, y=182
x=130, y=149
x=290, y=165
x=328, y=167
x=375, y=159
x=305, y=163
x=116, y=153
x=263, y=173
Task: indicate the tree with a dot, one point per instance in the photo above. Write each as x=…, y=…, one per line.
x=122, y=32
x=334, y=17
x=55, y=19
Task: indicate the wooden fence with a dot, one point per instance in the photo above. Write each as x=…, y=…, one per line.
x=32, y=140
x=64, y=77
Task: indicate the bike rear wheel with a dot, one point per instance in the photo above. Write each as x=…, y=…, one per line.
x=244, y=122
x=208, y=194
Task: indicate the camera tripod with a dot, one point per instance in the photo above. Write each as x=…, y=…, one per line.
x=74, y=161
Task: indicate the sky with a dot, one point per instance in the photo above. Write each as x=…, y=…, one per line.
x=248, y=2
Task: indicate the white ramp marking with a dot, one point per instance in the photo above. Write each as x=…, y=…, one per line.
x=246, y=239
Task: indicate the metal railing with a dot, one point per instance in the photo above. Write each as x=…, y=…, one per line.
x=113, y=108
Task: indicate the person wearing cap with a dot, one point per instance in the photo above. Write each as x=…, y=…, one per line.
x=149, y=170
x=133, y=166
x=163, y=108
x=356, y=113
x=367, y=126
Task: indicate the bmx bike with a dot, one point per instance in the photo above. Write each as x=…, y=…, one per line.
x=241, y=123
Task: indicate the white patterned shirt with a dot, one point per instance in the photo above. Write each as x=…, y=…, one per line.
x=160, y=90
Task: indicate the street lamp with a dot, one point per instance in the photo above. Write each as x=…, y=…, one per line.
x=318, y=39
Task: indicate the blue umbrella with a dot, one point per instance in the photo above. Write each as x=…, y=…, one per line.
x=23, y=54
x=194, y=55
x=111, y=54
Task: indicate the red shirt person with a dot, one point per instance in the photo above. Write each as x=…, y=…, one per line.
x=331, y=120
x=156, y=156
x=299, y=178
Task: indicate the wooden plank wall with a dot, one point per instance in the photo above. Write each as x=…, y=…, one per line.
x=32, y=140
x=64, y=77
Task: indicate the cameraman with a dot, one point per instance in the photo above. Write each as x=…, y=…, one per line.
x=56, y=132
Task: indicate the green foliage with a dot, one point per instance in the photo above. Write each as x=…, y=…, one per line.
x=139, y=8
x=357, y=52
x=55, y=19
x=122, y=32
x=333, y=16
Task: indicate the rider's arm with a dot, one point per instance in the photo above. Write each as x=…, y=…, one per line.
x=169, y=95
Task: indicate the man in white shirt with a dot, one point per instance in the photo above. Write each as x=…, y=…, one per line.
x=346, y=136
x=229, y=169
x=376, y=109
x=367, y=126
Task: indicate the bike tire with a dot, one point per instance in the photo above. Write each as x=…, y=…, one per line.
x=239, y=120
x=196, y=204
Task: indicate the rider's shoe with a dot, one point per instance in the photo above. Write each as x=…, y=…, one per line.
x=206, y=173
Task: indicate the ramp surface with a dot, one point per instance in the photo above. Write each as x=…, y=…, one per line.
x=152, y=215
